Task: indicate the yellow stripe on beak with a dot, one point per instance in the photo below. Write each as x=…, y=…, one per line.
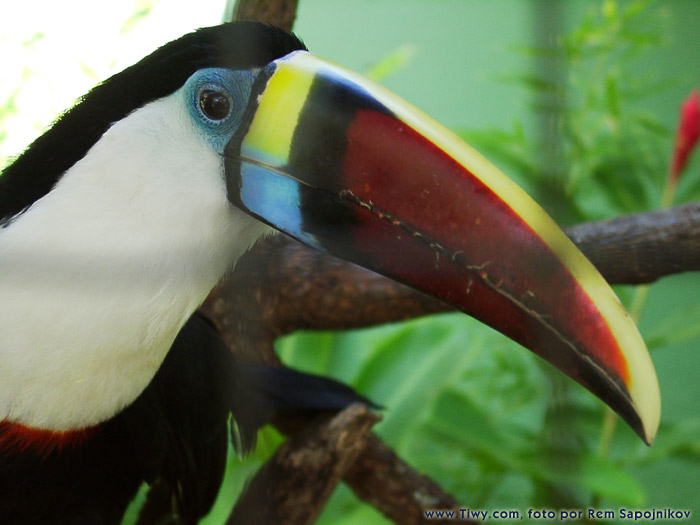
x=275, y=120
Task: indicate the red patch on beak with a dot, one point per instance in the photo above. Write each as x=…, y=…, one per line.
x=460, y=241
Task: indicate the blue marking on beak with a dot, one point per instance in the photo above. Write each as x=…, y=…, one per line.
x=276, y=199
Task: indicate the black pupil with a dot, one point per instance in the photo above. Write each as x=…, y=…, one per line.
x=215, y=104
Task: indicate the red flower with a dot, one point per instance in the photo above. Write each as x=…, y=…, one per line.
x=688, y=134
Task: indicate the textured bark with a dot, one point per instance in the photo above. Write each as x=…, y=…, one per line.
x=280, y=13
x=281, y=286
x=382, y=479
x=294, y=485
x=642, y=248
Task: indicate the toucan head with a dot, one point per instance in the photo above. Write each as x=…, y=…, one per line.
x=237, y=125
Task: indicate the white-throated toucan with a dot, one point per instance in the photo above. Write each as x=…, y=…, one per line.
x=119, y=220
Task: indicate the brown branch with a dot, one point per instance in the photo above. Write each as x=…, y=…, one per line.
x=280, y=13
x=282, y=286
x=294, y=485
x=642, y=248
x=385, y=481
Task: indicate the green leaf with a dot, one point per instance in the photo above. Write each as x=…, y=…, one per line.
x=406, y=372
x=392, y=63
x=531, y=81
x=678, y=326
x=681, y=439
x=610, y=481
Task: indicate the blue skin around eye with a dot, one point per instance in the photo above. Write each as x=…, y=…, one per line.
x=237, y=84
x=270, y=195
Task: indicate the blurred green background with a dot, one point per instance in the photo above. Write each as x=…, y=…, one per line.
x=578, y=101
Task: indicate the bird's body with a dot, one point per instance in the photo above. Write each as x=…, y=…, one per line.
x=174, y=436
x=119, y=220
x=137, y=221
x=114, y=226
x=165, y=433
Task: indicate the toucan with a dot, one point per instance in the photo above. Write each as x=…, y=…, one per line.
x=118, y=221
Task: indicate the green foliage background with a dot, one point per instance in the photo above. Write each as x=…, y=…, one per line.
x=576, y=100
x=594, y=105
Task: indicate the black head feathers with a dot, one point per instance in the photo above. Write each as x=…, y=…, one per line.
x=237, y=45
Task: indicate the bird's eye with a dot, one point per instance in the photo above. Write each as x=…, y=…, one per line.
x=214, y=104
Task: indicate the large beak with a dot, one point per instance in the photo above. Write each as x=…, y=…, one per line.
x=345, y=166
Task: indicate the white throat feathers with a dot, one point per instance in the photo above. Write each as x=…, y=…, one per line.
x=99, y=275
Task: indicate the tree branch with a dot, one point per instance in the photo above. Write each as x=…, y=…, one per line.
x=382, y=479
x=281, y=286
x=294, y=485
x=641, y=248
x=280, y=13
